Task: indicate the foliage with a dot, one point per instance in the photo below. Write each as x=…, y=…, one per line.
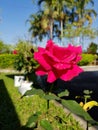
x=48, y=118
x=5, y=48
x=81, y=32
x=81, y=27
x=24, y=60
x=73, y=106
x=19, y=62
x=87, y=59
x=15, y=111
x=92, y=49
x=87, y=102
x=7, y=60
x=1, y=45
x=54, y=18
x=35, y=28
x=23, y=47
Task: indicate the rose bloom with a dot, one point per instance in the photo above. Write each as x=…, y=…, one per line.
x=58, y=62
x=15, y=52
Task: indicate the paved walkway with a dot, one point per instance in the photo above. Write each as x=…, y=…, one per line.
x=85, y=68
x=90, y=68
x=8, y=71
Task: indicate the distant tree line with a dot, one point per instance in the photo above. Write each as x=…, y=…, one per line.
x=93, y=48
x=5, y=48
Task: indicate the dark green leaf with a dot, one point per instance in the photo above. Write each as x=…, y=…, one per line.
x=34, y=91
x=65, y=93
x=32, y=121
x=46, y=125
x=51, y=97
x=74, y=107
x=87, y=92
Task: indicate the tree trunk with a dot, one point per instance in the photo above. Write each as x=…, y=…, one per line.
x=61, y=32
x=51, y=29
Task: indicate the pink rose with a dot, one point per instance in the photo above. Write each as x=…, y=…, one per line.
x=58, y=62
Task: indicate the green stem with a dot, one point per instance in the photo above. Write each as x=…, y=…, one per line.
x=47, y=104
x=85, y=99
x=87, y=126
x=51, y=87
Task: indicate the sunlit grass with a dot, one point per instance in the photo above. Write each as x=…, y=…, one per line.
x=15, y=111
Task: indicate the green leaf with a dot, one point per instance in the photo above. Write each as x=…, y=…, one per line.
x=74, y=107
x=51, y=97
x=34, y=91
x=65, y=93
x=87, y=92
x=32, y=121
x=46, y=125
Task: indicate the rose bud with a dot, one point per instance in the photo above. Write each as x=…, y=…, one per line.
x=32, y=50
x=28, y=58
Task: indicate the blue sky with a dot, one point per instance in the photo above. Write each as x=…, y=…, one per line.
x=13, y=16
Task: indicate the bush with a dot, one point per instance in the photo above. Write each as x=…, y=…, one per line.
x=24, y=60
x=87, y=59
x=19, y=62
x=7, y=60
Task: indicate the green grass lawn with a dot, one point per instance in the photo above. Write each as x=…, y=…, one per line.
x=15, y=111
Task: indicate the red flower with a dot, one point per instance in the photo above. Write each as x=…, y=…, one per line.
x=58, y=62
x=15, y=52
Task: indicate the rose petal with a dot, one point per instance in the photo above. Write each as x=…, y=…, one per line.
x=49, y=46
x=58, y=62
x=50, y=57
x=75, y=49
x=61, y=66
x=43, y=62
x=40, y=71
x=41, y=49
x=70, y=57
x=71, y=73
x=51, y=77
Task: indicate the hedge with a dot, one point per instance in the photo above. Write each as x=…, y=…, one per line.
x=87, y=59
x=7, y=60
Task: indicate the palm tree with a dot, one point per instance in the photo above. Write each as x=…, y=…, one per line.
x=47, y=12
x=83, y=13
x=82, y=17
x=55, y=15
x=38, y=29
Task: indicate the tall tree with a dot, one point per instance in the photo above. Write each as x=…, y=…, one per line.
x=37, y=29
x=57, y=12
x=5, y=48
x=92, y=48
x=57, y=15
x=83, y=18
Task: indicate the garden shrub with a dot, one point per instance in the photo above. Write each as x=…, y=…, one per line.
x=86, y=59
x=7, y=60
